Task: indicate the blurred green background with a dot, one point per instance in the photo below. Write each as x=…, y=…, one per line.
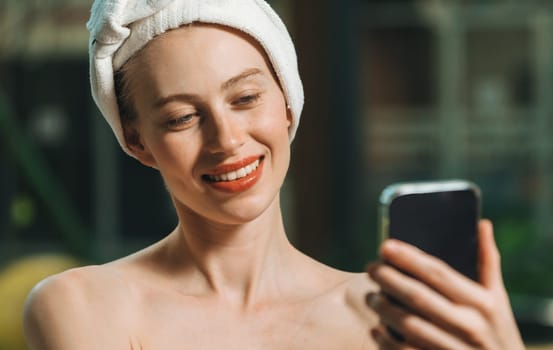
x=395, y=91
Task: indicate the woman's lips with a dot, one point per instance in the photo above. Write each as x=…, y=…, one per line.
x=235, y=177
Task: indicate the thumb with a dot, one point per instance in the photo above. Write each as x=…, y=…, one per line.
x=489, y=258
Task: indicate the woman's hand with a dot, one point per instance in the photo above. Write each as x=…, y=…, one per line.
x=433, y=306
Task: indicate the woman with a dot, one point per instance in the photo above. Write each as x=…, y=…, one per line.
x=208, y=93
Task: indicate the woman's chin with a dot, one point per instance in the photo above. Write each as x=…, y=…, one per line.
x=233, y=212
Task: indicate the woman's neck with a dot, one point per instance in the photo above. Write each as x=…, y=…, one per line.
x=243, y=263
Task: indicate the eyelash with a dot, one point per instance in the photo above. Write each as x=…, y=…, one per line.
x=242, y=101
x=246, y=100
x=175, y=123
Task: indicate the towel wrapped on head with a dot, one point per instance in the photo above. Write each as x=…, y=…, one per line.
x=120, y=28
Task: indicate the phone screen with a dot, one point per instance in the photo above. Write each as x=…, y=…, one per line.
x=442, y=223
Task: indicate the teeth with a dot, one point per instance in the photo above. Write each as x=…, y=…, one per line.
x=241, y=172
x=237, y=174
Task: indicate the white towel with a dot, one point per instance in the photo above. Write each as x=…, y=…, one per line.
x=119, y=28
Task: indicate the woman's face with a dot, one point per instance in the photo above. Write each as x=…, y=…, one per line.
x=212, y=118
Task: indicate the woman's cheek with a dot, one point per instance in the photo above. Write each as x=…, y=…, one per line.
x=175, y=148
x=272, y=122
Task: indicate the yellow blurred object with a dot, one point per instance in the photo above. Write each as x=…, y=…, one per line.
x=16, y=281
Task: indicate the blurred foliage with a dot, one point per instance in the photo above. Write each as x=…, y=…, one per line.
x=526, y=258
x=22, y=211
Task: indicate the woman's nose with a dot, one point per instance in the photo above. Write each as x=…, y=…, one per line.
x=224, y=133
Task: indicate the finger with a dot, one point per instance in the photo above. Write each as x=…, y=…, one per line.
x=388, y=342
x=409, y=291
x=424, y=301
x=417, y=331
x=433, y=272
x=490, y=277
x=489, y=258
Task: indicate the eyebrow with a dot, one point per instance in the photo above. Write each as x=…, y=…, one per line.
x=248, y=73
x=242, y=76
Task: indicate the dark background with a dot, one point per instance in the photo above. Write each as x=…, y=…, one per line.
x=395, y=91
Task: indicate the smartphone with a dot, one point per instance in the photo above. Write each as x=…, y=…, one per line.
x=440, y=218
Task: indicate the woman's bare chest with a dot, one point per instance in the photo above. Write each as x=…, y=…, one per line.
x=200, y=324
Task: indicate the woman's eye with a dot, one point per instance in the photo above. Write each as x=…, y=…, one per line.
x=246, y=99
x=181, y=121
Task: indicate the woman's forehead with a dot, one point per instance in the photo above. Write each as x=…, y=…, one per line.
x=198, y=38
x=209, y=51
x=196, y=61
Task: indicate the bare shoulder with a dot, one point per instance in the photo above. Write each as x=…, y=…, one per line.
x=61, y=311
x=342, y=313
x=352, y=290
x=356, y=289
x=349, y=288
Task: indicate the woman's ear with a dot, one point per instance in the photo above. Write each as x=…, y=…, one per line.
x=289, y=117
x=136, y=145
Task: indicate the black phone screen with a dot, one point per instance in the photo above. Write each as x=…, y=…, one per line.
x=443, y=224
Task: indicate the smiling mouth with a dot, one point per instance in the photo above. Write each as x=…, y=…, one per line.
x=236, y=174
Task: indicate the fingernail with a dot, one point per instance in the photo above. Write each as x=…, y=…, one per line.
x=375, y=333
x=371, y=268
x=372, y=299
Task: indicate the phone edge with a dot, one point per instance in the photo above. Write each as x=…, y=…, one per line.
x=392, y=191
